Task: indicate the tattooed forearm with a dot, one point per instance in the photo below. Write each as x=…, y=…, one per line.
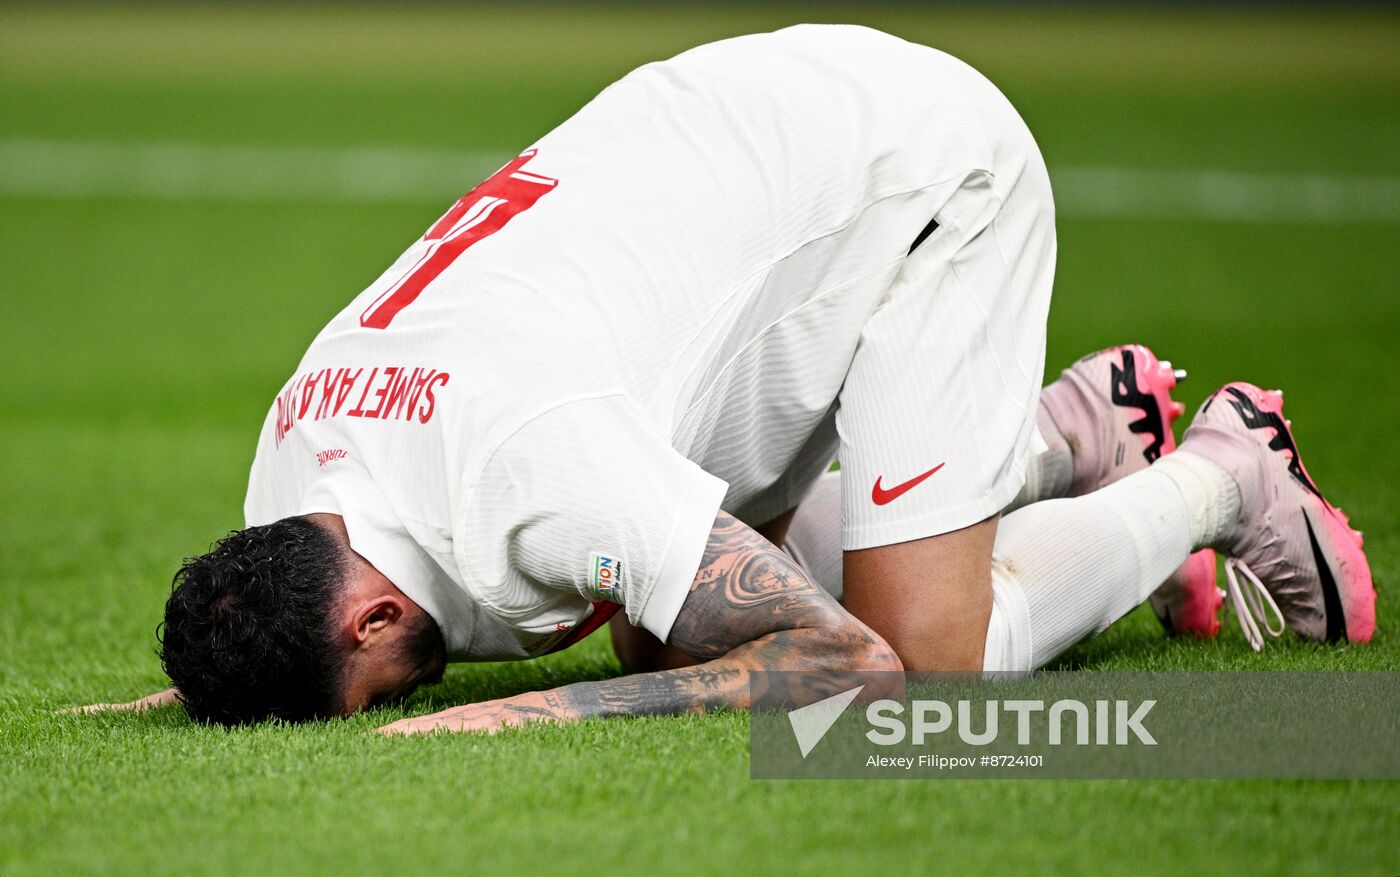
x=750, y=609
x=746, y=588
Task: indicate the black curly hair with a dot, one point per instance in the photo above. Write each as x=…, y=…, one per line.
x=247, y=630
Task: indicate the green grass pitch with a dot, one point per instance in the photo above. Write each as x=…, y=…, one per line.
x=141, y=339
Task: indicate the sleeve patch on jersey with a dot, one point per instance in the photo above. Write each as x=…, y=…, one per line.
x=605, y=576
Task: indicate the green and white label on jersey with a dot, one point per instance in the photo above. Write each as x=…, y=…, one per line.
x=605, y=576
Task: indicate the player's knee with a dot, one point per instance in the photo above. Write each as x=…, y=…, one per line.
x=898, y=635
x=928, y=649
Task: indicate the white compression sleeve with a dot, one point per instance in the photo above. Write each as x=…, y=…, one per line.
x=1048, y=473
x=1080, y=564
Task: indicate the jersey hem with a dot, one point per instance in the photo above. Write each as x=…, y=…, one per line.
x=658, y=611
x=936, y=523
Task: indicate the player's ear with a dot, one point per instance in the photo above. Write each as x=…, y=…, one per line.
x=374, y=617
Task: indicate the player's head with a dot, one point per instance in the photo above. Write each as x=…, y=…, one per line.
x=286, y=621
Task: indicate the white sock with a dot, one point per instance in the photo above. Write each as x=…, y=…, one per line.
x=1008, y=645
x=1049, y=473
x=1211, y=495
x=1065, y=569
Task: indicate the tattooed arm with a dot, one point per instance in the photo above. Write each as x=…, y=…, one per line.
x=160, y=698
x=750, y=609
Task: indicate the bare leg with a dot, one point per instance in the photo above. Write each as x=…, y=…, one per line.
x=1055, y=572
x=931, y=599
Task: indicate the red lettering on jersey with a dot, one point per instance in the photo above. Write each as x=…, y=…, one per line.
x=401, y=394
x=286, y=408
x=328, y=392
x=389, y=374
x=393, y=402
x=308, y=392
x=410, y=402
x=359, y=409
x=429, y=403
x=331, y=455
x=477, y=215
x=347, y=384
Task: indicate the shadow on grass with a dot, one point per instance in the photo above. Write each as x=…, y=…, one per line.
x=473, y=683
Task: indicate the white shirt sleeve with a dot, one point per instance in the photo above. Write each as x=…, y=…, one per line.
x=585, y=503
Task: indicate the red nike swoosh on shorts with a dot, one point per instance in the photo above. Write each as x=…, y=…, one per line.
x=880, y=495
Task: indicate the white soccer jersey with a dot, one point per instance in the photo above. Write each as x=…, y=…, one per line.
x=649, y=316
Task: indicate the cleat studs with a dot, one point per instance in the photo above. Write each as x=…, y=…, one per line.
x=1177, y=409
x=1179, y=374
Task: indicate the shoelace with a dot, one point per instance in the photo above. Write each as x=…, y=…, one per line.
x=1252, y=604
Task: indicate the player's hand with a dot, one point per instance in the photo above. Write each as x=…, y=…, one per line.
x=151, y=700
x=488, y=717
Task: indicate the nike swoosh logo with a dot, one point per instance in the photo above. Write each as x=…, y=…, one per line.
x=1331, y=597
x=881, y=495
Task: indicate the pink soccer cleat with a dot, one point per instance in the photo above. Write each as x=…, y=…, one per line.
x=1188, y=603
x=1291, y=554
x=1115, y=410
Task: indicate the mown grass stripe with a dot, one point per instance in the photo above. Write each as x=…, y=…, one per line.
x=194, y=172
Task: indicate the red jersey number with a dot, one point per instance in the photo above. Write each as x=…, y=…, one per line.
x=478, y=214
